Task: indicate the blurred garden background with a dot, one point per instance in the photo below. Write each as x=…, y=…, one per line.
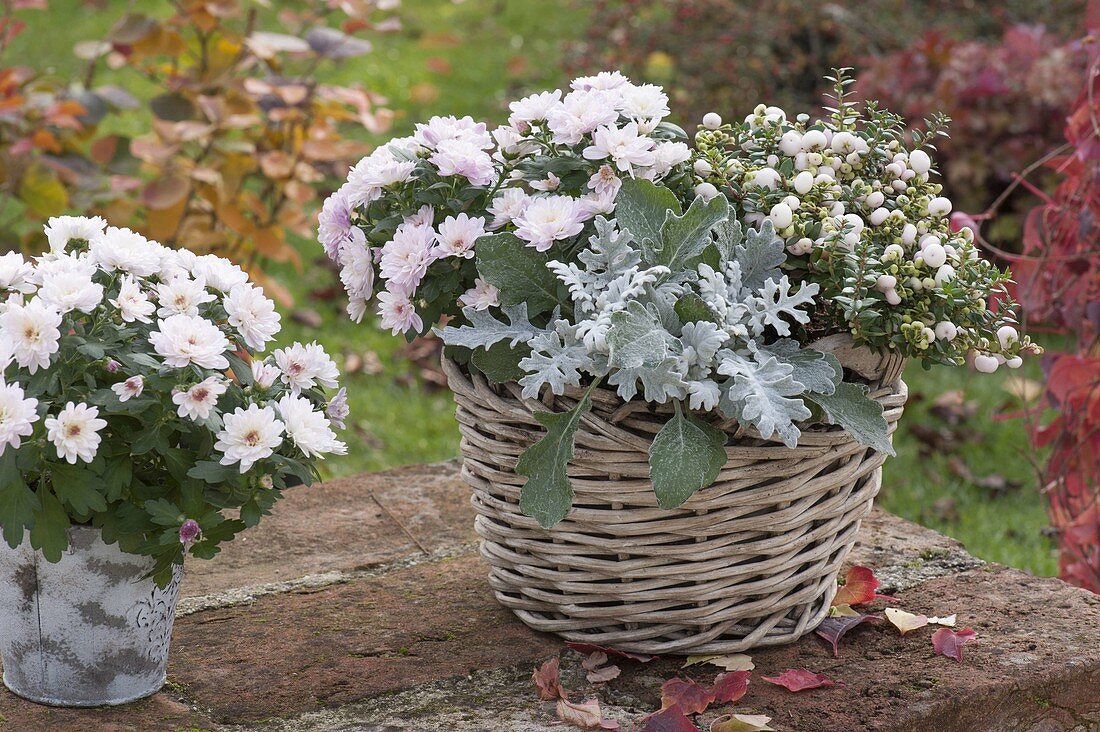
x=220, y=125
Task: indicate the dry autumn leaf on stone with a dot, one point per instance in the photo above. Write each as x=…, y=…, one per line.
x=730, y=687
x=905, y=622
x=800, y=679
x=689, y=696
x=859, y=588
x=833, y=629
x=547, y=681
x=588, y=648
x=585, y=716
x=671, y=719
x=598, y=671
x=742, y=723
x=732, y=662
x=950, y=643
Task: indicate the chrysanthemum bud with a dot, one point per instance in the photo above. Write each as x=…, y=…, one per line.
x=712, y=120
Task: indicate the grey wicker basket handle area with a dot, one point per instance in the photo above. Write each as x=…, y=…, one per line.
x=749, y=561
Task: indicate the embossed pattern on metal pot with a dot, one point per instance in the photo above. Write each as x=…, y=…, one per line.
x=87, y=631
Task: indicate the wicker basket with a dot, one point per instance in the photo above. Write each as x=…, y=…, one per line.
x=750, y=561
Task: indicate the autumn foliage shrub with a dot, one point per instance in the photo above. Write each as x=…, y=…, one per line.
x=236, y=129
x=1058, y=276
x=715, y=55
x=1007, y=100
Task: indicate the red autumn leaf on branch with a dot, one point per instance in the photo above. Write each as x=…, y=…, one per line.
x=730, y=687
x=833, y=629
x=859, y=588
x=585, y=716
x=799, y=679
x=950, y=643
x=671, y=719
x=589, y=648
x=689, y=696
x=547, y=681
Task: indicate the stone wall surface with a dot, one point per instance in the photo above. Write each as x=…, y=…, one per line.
x=361, y=604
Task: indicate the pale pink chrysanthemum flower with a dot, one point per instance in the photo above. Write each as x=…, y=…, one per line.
x=465, y=159
x=507, y=206
x=481, y=296
x=406, y=258
x=623, y=145
x=398, y=313
x=457, y=234
x=549, y=219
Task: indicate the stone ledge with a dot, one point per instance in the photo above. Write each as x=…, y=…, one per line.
x=397, y=630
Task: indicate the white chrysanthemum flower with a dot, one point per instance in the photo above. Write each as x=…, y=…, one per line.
x=439, y=130
x=534, y=108
x=309, y=430
x=249, y=435
x=31, y=333
x=464, y=158
x=643, y=102
x=129, y=389
x=17, y=415
x=264, y=374
x=582, y=112
x=49, y=265
x=182, y=296
x=481, y=296
x=60, y=230
x=604, y=80
x=218, y=272
x=132, y=303
x=68, y=291
x=667, y=155
x=357, y=270
x=305, y=366
x=185, y=339
x=16, y=273
x=200, y=400
x=253, y=315
x=125, y=250
x=75, y=432
x=549, y=219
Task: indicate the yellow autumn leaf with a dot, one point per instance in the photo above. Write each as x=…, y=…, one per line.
x=731, y=662
x=742, y=723
x=43, y=193
x=842, y=611
x=905, y=622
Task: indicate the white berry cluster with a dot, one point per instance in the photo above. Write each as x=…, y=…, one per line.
x=862, y=215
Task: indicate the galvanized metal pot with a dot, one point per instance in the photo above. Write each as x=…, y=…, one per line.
x=87, y=631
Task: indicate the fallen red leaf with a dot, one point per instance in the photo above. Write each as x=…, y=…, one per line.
x=689, y=696
x=799, y=679
x=585, y=716
x=588, y=648
x=731, y=686
x=859, y=588
x=833, y=629
x=950, y=643
x=547, y=681
x=671, y=719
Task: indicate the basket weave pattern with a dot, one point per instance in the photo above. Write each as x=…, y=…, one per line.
x=749, y=561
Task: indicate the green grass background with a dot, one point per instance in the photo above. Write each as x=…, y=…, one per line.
x=469, y=58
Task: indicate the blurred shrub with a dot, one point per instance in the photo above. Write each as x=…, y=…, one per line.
x=47, y=141
x=236, y=129
x=1007, y=99
x=717, y=55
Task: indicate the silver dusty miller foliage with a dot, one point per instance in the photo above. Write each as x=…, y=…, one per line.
x=683, y=307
